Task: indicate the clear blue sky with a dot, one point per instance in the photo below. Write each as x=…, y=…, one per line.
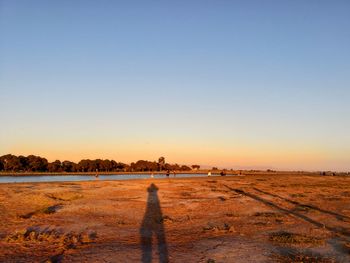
x=227, y=83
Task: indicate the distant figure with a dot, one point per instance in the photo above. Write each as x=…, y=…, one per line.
x=222, y=173
x=174, y=173
x=167, y=173
x=96, y=175
x=152, y=175
x=209, y=173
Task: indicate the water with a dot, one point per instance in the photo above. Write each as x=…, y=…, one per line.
x=75, y=178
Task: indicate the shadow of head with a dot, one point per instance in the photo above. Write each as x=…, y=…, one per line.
x=152, y=188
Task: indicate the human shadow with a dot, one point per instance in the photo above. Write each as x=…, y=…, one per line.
x=336, y=215
x=152, y=225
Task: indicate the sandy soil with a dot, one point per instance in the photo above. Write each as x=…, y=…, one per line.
x=261, y=218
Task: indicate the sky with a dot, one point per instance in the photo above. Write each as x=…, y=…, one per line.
x=235, y=84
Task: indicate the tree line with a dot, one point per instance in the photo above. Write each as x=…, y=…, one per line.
x=33, y=163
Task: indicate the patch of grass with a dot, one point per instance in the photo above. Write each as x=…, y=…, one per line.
x=333, y=198
x=279, y=221
x=166, y=218
x=297, y=195
x=222, y=198
x=46, y=210
x=28, y=215
x=67, y=240
x=51, y=209
x=295, y=185
x=268, y=214
x=121, y=222
x=218, y=227
x=209, y=226
x=302, y=258
x=231, y=215
x=346, y=194
x=303, y=208
x=65, y=196
x=283, y=237
x=186, y=194
x=260, y=223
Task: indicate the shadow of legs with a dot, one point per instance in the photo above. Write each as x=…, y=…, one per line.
x=152, y=224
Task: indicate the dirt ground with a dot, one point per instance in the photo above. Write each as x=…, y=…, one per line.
x=260, y=218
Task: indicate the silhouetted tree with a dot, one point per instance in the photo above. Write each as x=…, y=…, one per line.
x=185, y=168
x=167, y=166
x=55, y=166
x=195, y=166
x=34, y=163
x=68, y=166
x=142, y=165
x=24, y=163
x=161, y=163
x=174, y=167
x=37, y=164
x=84, y=165
x=122, y=167
x=106, y=166
x=11, y=163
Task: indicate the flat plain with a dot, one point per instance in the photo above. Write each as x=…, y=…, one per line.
x=293, y=217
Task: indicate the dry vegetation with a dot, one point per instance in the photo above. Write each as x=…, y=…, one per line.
x=283, y=237
x=253, y=218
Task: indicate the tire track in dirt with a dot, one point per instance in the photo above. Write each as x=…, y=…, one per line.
x=342, y=234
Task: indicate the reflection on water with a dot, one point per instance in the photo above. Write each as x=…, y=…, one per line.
x=70, y=178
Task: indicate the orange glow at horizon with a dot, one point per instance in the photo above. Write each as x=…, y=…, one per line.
x=207, y=156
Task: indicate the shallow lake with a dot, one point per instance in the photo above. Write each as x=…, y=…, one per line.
x=73, y=178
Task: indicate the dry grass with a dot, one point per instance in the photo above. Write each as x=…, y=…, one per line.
x=297, y=195
x=303, y=208
x=302, y=258
x=45, y=210
x=54, y=236
x=225, y=227
x=284, y=237
x=223, y=219
x=65, y=196
x=268, y=214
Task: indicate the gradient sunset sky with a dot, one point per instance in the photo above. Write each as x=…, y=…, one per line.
x=241, y=84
